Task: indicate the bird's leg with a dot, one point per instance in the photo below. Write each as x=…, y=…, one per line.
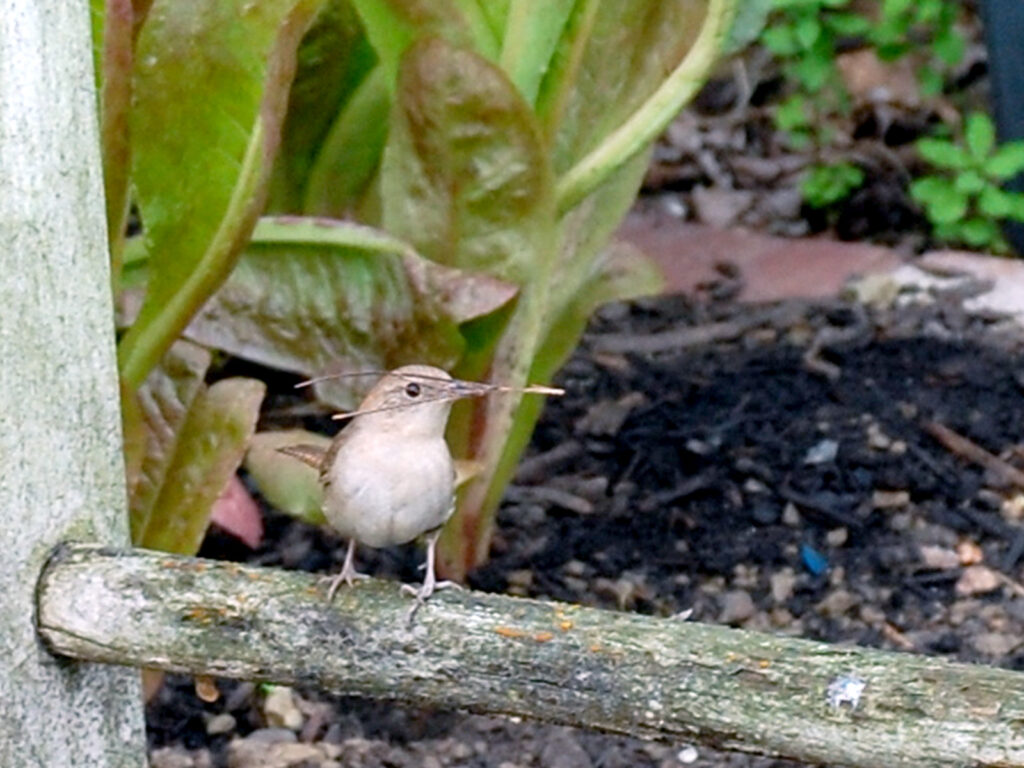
x=430, y=582
x=348, y=573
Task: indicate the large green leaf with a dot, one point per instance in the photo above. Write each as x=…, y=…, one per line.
x=496, y=14
x=334, y=60
x=209, y=447
x=465, y=177
x=393, y=25
x=532, y=31
x=628, y=48
x=210, y=90
x=317, y=296
x=585, y=230
x=350, y=155
x=600, y=110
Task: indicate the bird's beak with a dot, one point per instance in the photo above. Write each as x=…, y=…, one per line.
x=478, y=389
x=470, y=388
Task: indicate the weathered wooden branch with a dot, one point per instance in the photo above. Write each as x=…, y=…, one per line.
x=648, y=677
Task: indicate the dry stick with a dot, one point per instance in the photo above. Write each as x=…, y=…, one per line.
x=1004, y=472
x=626, y=673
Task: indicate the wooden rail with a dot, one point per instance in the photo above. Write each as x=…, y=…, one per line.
x=648, y=677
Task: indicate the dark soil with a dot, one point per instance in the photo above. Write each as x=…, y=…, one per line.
x=783, y=477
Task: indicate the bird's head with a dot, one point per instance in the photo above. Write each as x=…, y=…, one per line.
x=414, y=400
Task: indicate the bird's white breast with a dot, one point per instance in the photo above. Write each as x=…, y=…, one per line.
x=382, y=493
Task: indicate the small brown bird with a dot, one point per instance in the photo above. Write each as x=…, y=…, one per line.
x=389, y=477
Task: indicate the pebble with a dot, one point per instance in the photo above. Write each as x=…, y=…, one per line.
x=823, y=452
x=720, y=208
x=271, y=736
x=564, y=751
x=889, y=499
x=995, y=644
x=687, y=754
x=281, y=709
x=877, y=439
x=575, y=568
x=837, y=537
x=222, y=723
x=969, y=553
x=977, y=580
x=901, y=522
x=781, y=619
x=782, y=583
x=170, y=757
x=764, y=512
x=838, y=603
x=737, y=607
x=938, y=558
x=1013, y=508
x=246, y=753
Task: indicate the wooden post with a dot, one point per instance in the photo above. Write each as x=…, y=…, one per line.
x=61, y=473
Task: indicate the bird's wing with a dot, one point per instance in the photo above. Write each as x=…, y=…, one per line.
x=330, y=455
x=313, y=455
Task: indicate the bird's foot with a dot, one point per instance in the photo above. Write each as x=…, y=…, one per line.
x=423, y=592
x=347, y=575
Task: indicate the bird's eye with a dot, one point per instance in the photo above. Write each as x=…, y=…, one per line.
x=412, y=389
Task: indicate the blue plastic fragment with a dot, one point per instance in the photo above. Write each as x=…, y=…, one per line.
x=813, y=560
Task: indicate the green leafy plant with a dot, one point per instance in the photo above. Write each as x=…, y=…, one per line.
x=904, y=24
x=828, y=184
x=964, y=201
x=805, y=37
x=438, y=183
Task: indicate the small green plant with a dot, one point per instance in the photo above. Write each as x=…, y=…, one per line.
x=828, y=184
x=904, y=24
x=963, y=200
x=806, y=35
x=803, y=38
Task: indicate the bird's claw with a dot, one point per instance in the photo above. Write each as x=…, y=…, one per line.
x=348, y=576
x=423, y=592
